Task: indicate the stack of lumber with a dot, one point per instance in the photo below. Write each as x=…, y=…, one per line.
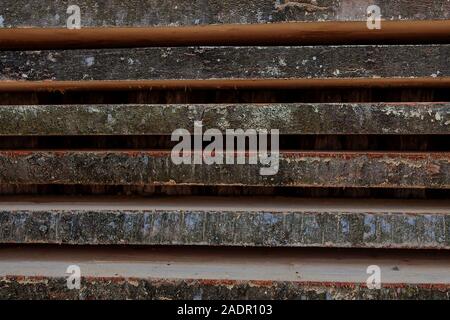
x=87, y=179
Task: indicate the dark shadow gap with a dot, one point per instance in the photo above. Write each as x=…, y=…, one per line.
x=212, y=96
x=223, y=191
x=391, y=143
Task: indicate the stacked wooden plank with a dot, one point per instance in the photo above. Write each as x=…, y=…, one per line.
x=397, y=232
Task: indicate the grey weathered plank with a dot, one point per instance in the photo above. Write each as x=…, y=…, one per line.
x=342, y=169
x=209, y=63
x=365, y=118
x=269, y=222
x=141, y=13
x=183, y=273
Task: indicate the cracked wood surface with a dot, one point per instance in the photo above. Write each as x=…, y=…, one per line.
x=145, y=13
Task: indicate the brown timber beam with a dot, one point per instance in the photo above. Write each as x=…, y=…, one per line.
x=145, y=13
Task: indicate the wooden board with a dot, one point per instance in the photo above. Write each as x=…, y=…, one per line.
x=228, y=63
x=295, y=118
x=183, y=273
x=143, y=13
x=203, y=221
x=319, y=169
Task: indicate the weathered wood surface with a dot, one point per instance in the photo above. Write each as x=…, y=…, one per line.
x=266, y=222
x=143, y=13
x=366, y=118
x=182, y=273
x=342, y=169
x=119, y=288
x=225, y=63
